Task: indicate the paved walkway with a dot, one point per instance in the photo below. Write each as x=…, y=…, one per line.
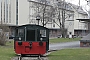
x=58, y=46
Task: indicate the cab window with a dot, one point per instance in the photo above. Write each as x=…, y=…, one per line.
x=20, y=32
x=43, y=33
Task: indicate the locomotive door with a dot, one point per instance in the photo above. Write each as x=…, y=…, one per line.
x=32, y=46
x=30, y=35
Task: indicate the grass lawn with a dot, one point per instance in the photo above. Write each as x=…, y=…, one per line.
x=59, y=40
x=71, y=54
x=7, y=52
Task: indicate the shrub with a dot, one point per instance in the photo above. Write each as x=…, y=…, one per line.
x=3, y=38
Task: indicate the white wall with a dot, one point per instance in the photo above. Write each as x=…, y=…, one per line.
x=23, y=12
x=13, y=12
x=6, y=13
x=78, y=24
x=23, y=16
x=2, y=10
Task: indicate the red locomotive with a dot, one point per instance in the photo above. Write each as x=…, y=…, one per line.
x=31, y=40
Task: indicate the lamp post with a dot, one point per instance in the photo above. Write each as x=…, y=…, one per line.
x=38, y=19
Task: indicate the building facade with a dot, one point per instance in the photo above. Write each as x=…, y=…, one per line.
x=5, y=12
x=20, y=12
x=80, y=27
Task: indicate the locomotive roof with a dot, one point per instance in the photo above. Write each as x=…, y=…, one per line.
x=31, y=26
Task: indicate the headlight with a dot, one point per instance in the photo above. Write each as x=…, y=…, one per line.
x=19, y=38
x=41, y=39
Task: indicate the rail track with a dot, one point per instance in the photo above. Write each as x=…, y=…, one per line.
x=19, y=57
x=32, y=58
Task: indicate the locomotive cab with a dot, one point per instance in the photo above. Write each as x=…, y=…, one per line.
x=31, y=39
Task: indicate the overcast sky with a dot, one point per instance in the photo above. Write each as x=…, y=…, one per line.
x=76, y=2
x=83, y=3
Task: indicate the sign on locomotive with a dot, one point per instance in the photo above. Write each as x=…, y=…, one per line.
x=31, y=40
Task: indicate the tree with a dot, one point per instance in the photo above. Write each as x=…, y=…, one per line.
x=42, y=9
x=54, y=13
x=3, y=33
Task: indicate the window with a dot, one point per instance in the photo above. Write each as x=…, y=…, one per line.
x=43, y=33
x=53, y=25
x=21, y=33
x=9, y=13
x=1, y=11
x=30, y=35
x=4, y=11
x=16, y=12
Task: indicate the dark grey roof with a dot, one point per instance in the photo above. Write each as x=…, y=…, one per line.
x=87, y=20
x=70, y=6
x=79, y=9
x=67, y=5
x=86, y=37
x=31, y=25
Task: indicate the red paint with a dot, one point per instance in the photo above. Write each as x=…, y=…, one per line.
x=25, y=48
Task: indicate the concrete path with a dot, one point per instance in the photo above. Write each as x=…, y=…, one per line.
x=58, y=46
